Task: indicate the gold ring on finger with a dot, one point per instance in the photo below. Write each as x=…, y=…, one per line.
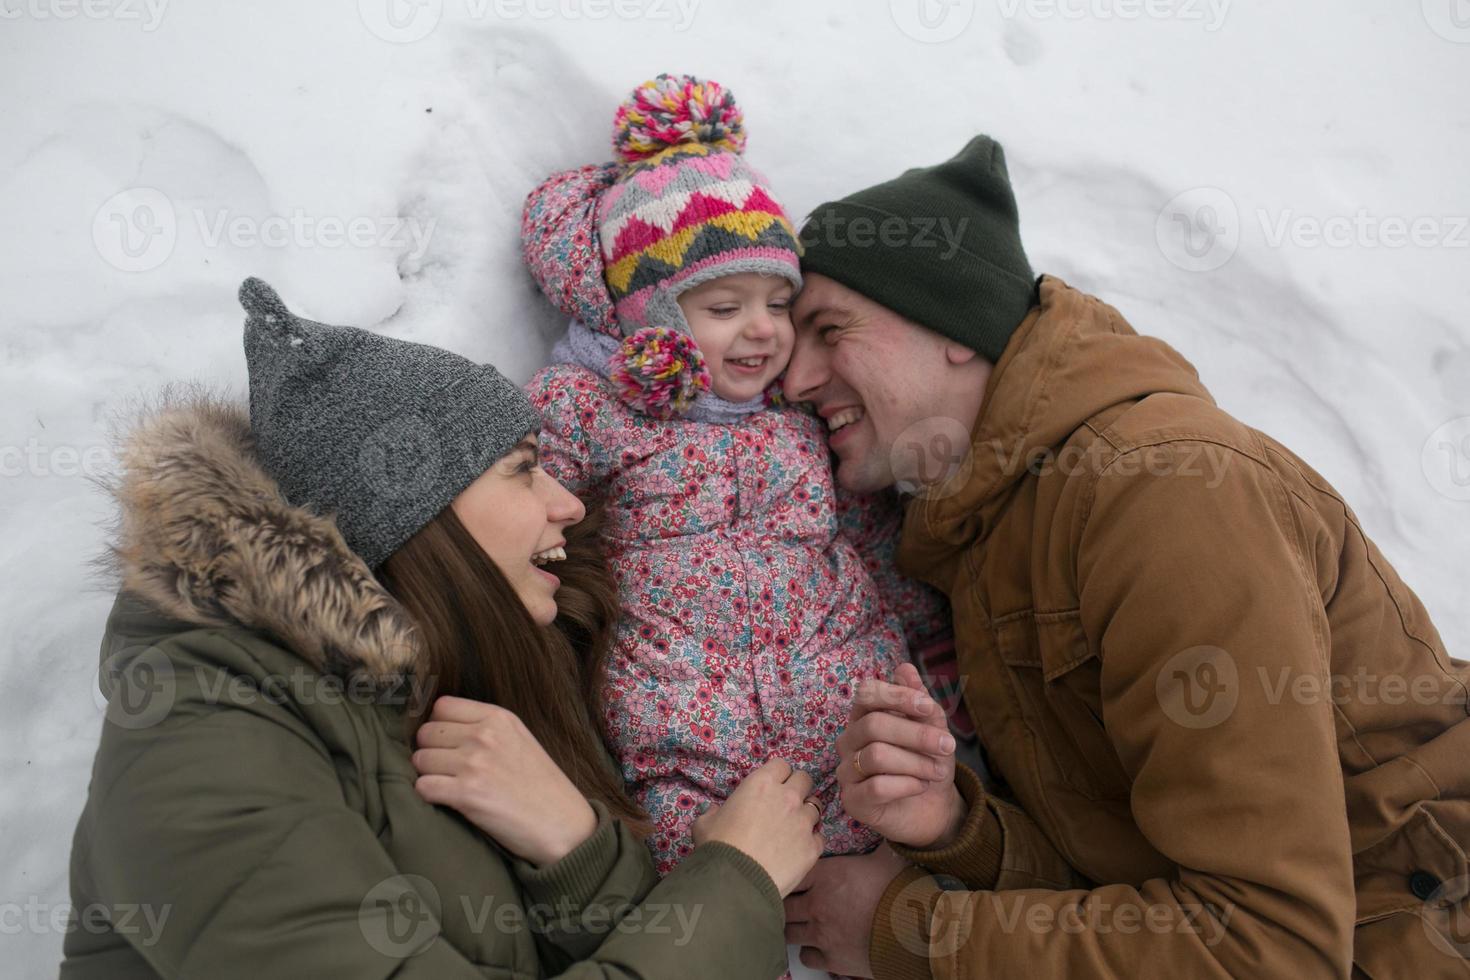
x=857, y=763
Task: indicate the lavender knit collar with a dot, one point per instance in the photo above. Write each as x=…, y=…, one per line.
x=593, y=350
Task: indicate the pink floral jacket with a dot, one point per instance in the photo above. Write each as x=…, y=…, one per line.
x=750, y=603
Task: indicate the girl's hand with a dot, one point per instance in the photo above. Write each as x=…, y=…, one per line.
x=769, y=819
x=897, y=768
x=481, y=760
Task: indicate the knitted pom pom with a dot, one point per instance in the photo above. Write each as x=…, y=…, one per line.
x=673, y=109
x=659, y=372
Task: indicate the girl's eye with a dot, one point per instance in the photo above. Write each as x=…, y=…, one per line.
x=528, y=466
x=781, y=306
x=724, y=310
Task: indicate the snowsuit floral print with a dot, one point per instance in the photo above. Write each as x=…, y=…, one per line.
x=749, y=612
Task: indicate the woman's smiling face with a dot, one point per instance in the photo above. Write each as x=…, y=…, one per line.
x=742, y=324
x=519, y=514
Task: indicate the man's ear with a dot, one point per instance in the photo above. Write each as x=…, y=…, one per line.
x=957, y=354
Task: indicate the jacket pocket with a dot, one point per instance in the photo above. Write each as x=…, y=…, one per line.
x=1056, y=678
x=1419, y=868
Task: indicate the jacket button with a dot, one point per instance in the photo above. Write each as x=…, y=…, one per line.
x=1423, y=884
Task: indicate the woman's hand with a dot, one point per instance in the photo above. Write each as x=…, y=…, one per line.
x=769, y=819
x=897, y=768
x=481, y=760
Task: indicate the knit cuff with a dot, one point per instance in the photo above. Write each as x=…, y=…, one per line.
x=899, y=947
x=578, y=877
x=974, y=855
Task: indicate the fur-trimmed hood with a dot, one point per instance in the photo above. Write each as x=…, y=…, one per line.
x=206, y=537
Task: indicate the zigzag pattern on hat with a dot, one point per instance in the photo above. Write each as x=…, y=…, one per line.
x=666, y=215
x=649, y=256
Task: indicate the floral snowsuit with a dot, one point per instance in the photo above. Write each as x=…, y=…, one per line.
x=748, y=612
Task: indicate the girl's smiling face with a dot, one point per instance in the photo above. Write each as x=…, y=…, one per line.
x=742, y=324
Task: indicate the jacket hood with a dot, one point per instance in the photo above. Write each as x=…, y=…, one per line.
x=206, y=538
x=1072, y=357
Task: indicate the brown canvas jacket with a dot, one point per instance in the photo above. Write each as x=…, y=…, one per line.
x=1231, y=740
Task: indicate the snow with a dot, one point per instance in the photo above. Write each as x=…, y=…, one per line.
x=254, y=139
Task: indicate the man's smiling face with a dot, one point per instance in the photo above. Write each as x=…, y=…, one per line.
x=871, y=374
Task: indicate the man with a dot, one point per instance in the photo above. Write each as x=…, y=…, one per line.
x=1228, y=739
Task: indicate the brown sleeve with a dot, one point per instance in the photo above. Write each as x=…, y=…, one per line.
x=1185, y=581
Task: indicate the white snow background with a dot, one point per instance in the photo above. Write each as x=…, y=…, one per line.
x=151, y=156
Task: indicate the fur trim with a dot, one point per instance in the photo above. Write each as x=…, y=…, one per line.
x=206, y=537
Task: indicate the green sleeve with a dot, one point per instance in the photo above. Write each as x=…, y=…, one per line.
x=229, y=826
x=717, y=916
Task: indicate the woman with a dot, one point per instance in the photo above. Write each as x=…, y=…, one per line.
x=256, y=805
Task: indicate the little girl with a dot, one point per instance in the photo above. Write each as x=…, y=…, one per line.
x=749, y=604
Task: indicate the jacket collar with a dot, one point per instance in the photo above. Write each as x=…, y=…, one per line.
x=1072, y=357
x=206, y=538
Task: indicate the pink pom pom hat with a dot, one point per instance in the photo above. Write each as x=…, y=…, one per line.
x=614, y=245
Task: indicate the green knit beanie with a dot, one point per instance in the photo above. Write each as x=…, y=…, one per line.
x=939, y=245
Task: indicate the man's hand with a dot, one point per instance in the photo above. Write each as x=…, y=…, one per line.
x=830, y=915
x=897, y=763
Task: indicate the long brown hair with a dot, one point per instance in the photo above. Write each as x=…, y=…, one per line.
x=480, y=642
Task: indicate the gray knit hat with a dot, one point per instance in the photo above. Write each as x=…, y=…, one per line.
x=383, y=433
